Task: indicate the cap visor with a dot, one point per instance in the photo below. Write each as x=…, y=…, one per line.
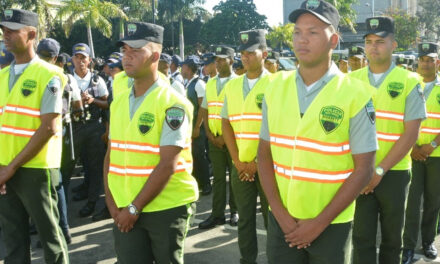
x=222, y=56
x=12, y=25
x=297, y=13
x=81, y=52
x=432, y=55
x=250, y=48
x=358, y=56
x=381, y=34
x=136, y=43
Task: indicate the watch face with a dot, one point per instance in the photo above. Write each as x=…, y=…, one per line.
x=131, y=210
x=379, y=171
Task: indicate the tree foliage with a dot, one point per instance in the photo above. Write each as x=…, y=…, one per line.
x=281, y=36
x=429, y=18
x=347, y=13
x=406, y=28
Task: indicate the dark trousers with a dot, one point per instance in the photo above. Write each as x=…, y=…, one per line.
x=387, y=204
x=32, y=193
x=331, y=247
x=246, y=194
x=425, y=183
x=156, y=237
x=221, y=163
x=200, y=163
x=90, y=147
x=62, y=205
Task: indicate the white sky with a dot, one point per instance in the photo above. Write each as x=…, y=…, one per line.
x=272, y=9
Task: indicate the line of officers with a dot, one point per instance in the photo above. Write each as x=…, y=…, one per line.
x=308, y=143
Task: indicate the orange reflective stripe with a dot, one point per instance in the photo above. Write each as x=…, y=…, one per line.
x=246, y=116
x=1, y=110
x=17, y=131
x=305, y=174
x=433, y=115
x=22, y=110
x=139, y=171
x=388, y=115
x=217, y=117
x=430, y=130
x=388, y=137
x=215, y=103
x=310, y=145
x=134, y=147
x=248, y=135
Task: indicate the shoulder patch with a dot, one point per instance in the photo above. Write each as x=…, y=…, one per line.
x=174, y=117
x=54, y=85
x=420, y=92
x=371, y=113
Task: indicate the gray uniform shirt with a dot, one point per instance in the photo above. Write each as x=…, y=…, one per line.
x=414, y=104
x=220, y=86
x=362, y=129
x=52, y=101
x=169, y=137
x=429, y=86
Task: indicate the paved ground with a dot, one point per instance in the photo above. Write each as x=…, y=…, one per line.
x=93, y=242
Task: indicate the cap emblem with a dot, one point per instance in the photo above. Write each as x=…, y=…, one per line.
x=374, y=23
x=9, y=13
x=219, y=49
x=312, y=4
x=131, y=29
x=425, y=47
x=244, y=38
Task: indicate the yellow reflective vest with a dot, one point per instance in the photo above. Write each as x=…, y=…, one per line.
x=135, y=151
x=390, y=102
x=245, y=115
x=20, y=114
x=215, y=104
x=430, y=127
x=311, y=154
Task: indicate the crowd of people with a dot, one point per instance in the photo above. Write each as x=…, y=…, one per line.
x=334, y=151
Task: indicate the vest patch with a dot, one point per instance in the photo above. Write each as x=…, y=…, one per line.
x=438, y=98
x=371, y=113
x=330, y=118
x=259, y=100
x=395, y=89
x=28, y=87
x=174, y=117
x=145, y=123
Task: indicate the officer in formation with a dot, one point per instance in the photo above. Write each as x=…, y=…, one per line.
x=195, y=92
x=356, y=58
x=426, y=164
x=238, y=66
x=176, y=62
x=400, y=108
x=271, y=63
x=164, y=67
x=209, y=69
x=6, y=58
x=149, y=188
x=241, y=121
x=317, y=146
x=218, y=152
x=30, y=136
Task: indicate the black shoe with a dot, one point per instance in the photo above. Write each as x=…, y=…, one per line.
x=212, y=222
x=67, y=236
x=78, y=188
x=102, y=215
x=207, y=189
x=429, y=250
x=407, y=256
x=234, y=219
x=87, y=210
x=80, y=195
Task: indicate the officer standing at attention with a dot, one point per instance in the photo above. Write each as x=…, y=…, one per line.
x=150, y=192
x=356, y=58
x=30, y=139
x=218, y=152
x=400, y=108
x=195, y=90
x=176, y=61
x=241, y=121
x=317, y=146
x=271, y=63
x=209, y=68
x=91, y=148
x=164, y=67
x=426, y=164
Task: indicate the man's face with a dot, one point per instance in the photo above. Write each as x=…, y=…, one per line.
x=223, y=65
x=272, y=67
x=427, y=66
x=113, y=71
x=106, y=69
x=136, y=61
x=17, y=41
x=312, y=40
x=186, y=71
x=210, y=68
x=81, y=62
x=164, y=67
x=355, y=63
x=379, y=50
x=253, y=61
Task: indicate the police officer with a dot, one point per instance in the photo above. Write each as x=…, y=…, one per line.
x=176, y=61
x=88, y=132
x=400, y=108
x=218, y=153
x=401, y=61
x=30, y=127
x=426, y=164
x=195, y=89
x=164, y=67
x=6, y=58
x=149, y=188
x=209, y=68
x=271, y=62
x=238, y=66
x=317, y=146
x=356, y=58
x=241, y=120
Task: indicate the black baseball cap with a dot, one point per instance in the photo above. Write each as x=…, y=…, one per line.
x=166, y=58
x=273, y=56
x=429, y=49
x=208, y=58
x=192, y=60
x=401, y=59
x=138, y=34
x=16, y=19
x=237, y=63
x=252, y=39
x=6, y=57
x=81, y=48
x=48, y=48
x=356, y=51
x=380, y=26
x=224, y=52
x=176, y=60
x=323, y=10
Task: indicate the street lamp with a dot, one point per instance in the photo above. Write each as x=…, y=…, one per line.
x=372, y=6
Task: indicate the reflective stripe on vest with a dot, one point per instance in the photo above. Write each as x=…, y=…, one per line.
x=20, y=110
x=430, y=127
x=310, y=145
x=127, y=171
x=16, y=131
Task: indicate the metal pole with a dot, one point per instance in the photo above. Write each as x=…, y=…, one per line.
x=372, y=7
x=154, y=12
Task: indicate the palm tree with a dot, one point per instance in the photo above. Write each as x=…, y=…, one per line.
x=94, y=13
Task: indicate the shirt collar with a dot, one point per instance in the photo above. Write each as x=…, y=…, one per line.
x=332, y=72
x=86, y=78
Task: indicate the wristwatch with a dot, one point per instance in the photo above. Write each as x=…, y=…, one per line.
x=434, y=144
x=380, y=171
x=132, y=209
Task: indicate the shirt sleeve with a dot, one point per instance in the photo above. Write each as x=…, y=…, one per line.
x=264, y=130
x=415, y=107
x=363, y=131
x=175, y=137
x=200, y=88
x=224, y=112
x=178, y=87
x=52, y=100
x=76, y=92
x=102, y=88
x=204, y=103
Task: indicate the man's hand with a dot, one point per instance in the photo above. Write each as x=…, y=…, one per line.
x=125, y=221
x=196, y=132
x=3, y=189
x=373, y=184
x=305, y=233
x=6, y=173
x=426, y=150
x=416, y=153
x=220, y=142
x=249, y=172
x=112, y=208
